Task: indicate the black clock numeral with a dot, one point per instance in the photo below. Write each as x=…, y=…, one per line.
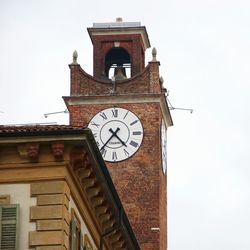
x=114, y=113
x=103, y=152
x=134, y=144
x=134, y=122
x=114, y=156
x=125, y=115
x=98, y=144
x=95, y=135
x=95, y=124
x=137, y=133
x=103, y=115
x=126, y=152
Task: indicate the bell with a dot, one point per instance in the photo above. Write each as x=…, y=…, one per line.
x=120, y=73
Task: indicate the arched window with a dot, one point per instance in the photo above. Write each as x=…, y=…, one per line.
x=117, y=57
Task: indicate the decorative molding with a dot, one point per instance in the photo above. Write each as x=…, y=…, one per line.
x=124, y=99
x=29, y=151
x=102, y=208
x=87, y=244
x=124, y=31
x=58, y=150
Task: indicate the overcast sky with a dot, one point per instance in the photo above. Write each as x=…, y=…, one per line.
x=204, y=50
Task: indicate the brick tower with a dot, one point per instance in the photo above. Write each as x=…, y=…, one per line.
x=124, y=105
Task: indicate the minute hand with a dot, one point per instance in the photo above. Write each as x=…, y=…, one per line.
x=115, y=134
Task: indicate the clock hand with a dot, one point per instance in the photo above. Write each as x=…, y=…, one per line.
x=115, y=134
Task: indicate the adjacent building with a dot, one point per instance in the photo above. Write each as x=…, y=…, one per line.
x=101, y=182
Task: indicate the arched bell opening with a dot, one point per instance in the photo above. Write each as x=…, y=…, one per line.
x=118, y=64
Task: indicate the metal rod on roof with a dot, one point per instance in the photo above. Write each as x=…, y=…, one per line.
x=53, y=113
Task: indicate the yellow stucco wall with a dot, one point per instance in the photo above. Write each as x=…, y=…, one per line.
x=20, y=194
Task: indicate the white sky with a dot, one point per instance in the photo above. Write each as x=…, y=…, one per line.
x=203, y=47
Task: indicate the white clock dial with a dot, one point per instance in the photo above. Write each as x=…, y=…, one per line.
x=164, y=146
x=118, y=133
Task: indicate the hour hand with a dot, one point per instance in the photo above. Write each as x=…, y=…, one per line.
x=115, y=134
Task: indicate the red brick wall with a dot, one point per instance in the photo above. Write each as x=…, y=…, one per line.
x=163, y=210
x=132, y=43
x=83, y=84
x=139, y=180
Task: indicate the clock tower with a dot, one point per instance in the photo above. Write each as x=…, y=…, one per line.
x=124, y=105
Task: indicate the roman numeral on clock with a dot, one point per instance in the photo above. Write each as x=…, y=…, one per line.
x=134, y=122
x=103, y=152
x=118, y=133
x=126, y=152
x=114, y=156
x=125, y=115
x=137, y=133
x=103, y=115
x=114, y=113
x=134, y=144
x=95, y=124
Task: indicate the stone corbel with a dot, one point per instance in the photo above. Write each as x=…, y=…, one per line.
x=29, y=151
x=80, y=159
x=58, y=150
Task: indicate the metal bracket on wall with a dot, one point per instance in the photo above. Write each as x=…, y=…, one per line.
x=171, y=107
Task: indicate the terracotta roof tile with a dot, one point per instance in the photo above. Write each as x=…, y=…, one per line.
x=36, y=128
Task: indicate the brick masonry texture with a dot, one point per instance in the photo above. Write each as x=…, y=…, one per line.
x=83, y=84
x=139, y=180
x=132, y=43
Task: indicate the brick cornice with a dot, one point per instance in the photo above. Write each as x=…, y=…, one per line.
x=122, y=31
x=121, y=99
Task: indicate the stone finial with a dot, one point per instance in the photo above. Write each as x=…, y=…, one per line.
x=119, y=19
x=164, y=90
x=161, y=80
x=75, y=55
x=154, y=53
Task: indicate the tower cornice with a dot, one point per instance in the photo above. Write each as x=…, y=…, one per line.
x=122, y=99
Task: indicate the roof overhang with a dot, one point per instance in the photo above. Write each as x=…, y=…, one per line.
x=72, y=138
x=120, y=30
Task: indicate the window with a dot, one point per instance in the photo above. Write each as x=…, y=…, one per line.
x=9, y=215
x=76, y=238
x=87, y=244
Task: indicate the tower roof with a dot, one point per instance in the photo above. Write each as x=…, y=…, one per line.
x=120, y=28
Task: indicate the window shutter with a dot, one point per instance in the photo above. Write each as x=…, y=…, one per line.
x=73, y=235
x=8, y=226
x=81, y=241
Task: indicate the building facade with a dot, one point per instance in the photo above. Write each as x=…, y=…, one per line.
x=56, y=192
x=124, y=105
x=101, y=182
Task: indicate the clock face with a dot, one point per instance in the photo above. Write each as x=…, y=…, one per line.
x=118, y=133
x=164, y=146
